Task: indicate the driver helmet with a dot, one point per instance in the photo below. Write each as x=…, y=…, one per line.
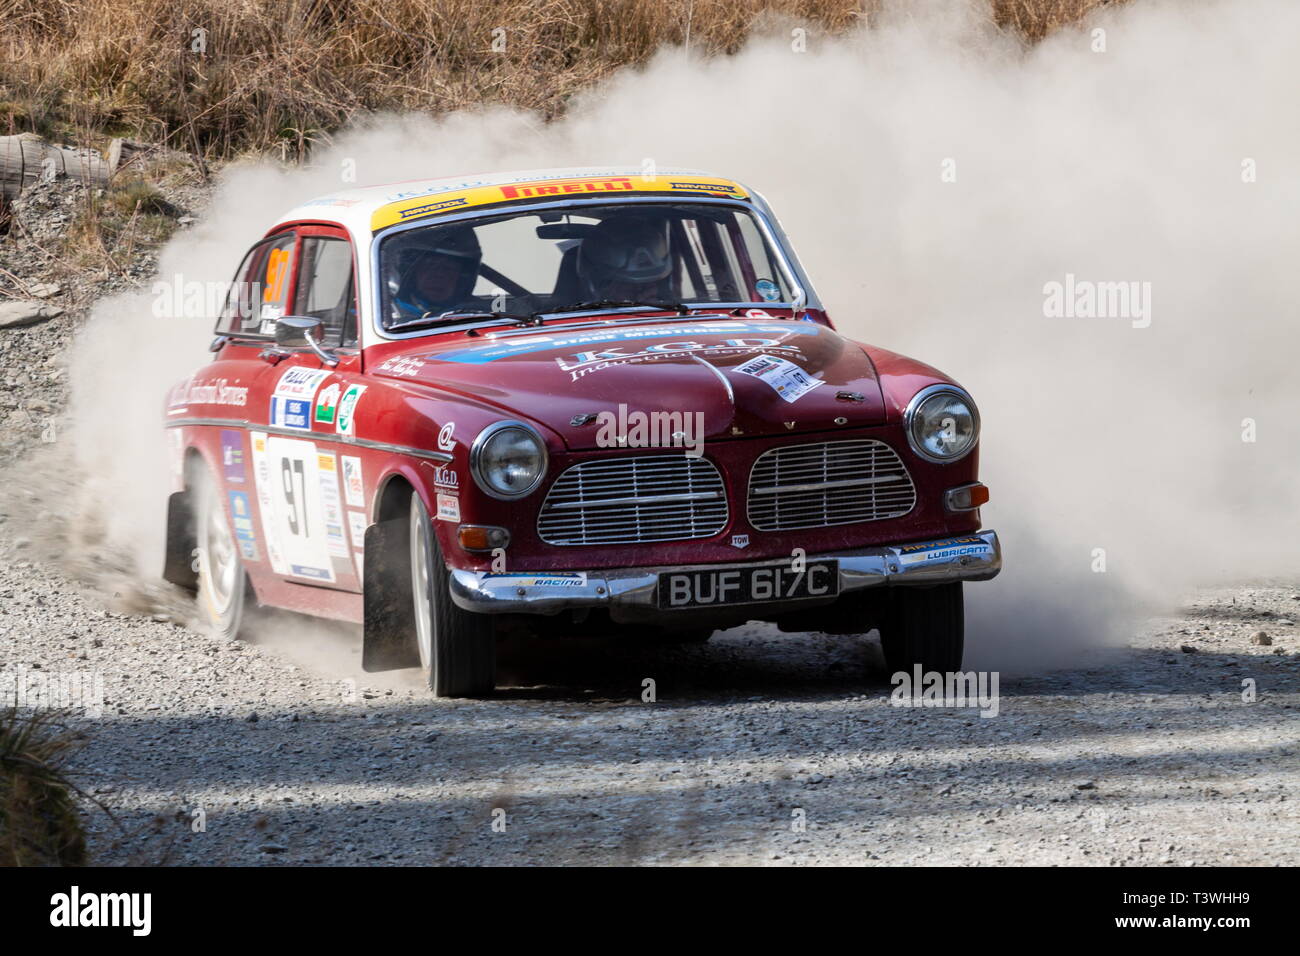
x=456, y=246
x=626, y=251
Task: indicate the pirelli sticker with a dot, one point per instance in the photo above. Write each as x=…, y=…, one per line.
x=418, y=207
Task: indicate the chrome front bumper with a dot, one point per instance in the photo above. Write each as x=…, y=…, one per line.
x=973, y=557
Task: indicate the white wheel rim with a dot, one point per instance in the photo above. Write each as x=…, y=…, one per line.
x=218, y=561
x=422, y=580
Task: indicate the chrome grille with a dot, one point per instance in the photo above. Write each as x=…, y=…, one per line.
x=631, y=500
x=829, y=483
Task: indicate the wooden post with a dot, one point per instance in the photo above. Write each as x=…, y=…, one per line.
x=26, y=158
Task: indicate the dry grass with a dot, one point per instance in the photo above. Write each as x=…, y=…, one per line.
x=280, y=74
x=39, y=823
x=111, y=224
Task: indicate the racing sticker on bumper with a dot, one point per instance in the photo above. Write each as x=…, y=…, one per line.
x=561, y=579
x=786, y=379
x=947, y=550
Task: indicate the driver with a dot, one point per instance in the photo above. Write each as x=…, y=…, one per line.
x=626, y=258
x=438, y=275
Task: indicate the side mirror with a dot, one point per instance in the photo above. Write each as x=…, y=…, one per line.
x=303, y=332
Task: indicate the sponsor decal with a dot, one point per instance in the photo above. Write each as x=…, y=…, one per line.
x=177, y=437
x=357, y=525
x=425, y=209
x=292, y=400
x=445, y=440
x=561, y=187
x=347, y=418
x=740, y=541
x=768, y=291
x=354, y=488
x=943, y=550
x=405, y=365
x=291, y=413
x=566, y=579
x=241, y=518
x=327, y=471
x=232, y=456
x=262, y=479
x=406, y=205
x=445, y=477
x=217, y=392
x=740, y=336
x=448, y=507
x=705, y=187
x=327, y=403
x=786, y=379
x=299, y=382
x=357, y=531
x=299, y=505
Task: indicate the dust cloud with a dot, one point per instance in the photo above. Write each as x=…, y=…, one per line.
x=936, y=177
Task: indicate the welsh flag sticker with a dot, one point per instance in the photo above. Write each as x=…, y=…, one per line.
x=327, y=403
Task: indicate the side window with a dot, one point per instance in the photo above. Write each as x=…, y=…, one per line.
x=257, y=296
x=325, y=288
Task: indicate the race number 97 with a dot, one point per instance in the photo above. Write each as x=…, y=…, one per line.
x=294, y=499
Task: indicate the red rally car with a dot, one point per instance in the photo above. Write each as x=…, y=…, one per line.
x=564, y=401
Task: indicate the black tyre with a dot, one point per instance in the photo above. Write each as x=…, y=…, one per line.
x=222, y=583
x=924, y=626
x=457, y=648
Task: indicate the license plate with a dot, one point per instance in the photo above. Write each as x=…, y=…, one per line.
x=718, y=587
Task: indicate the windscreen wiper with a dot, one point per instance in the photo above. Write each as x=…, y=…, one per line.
x=429, y=319
x=622, y=304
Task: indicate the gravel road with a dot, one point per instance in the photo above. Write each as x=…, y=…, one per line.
x=760, y=748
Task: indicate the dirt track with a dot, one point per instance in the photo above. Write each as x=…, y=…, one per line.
x=1141, y=755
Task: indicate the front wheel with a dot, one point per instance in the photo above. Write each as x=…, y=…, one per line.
x=924, y=626
x=457, y=648
x=223, y=586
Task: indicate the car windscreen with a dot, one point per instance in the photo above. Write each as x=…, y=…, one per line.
x=556, y=259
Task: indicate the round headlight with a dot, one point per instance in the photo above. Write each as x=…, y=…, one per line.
x=508, y=459
x=942, y=423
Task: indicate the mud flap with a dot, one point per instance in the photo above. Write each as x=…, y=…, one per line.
x=388, y=641
x=178, y=561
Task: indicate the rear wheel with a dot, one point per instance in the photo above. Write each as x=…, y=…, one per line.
x=924, y=626
x=223, y=586
x=457, y=648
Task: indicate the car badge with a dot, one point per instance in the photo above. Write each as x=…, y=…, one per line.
x=586, y=418
x=740, y=541
x=790, y=425
x=850, y=396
